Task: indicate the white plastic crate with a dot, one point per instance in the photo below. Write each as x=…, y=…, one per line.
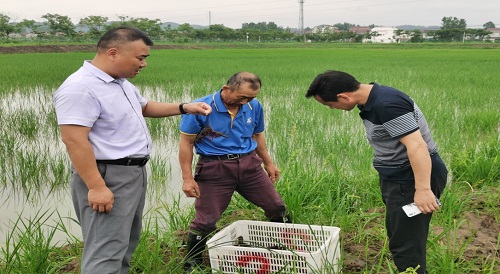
x=268, y=247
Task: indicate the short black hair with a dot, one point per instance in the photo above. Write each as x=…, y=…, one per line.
x=120, y=35
x=331, y=83
x=238, y=78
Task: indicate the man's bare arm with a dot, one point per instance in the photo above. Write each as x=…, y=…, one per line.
x=83, y=159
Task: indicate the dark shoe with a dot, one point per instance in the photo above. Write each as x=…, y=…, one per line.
x=196, y=246
x=283, y=216
x=190, y=266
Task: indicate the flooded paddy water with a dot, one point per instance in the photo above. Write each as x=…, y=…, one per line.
x=34, y=172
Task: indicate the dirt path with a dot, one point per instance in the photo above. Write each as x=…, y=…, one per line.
x=475, y=239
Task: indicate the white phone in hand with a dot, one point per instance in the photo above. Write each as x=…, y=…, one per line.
x=412, y=209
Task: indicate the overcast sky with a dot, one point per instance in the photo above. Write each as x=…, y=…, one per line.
x=285, y=13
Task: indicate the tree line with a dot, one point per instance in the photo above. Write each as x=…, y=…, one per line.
x=92, y=27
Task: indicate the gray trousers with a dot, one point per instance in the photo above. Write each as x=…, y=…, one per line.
x=111, y=238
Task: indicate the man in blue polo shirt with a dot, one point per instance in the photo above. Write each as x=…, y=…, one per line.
x=410, y=169
x=231, y=147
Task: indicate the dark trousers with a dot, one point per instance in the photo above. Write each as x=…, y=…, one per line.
x=219, y=179
x=407, y=235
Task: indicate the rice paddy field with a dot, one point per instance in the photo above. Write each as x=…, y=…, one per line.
x=325, y=160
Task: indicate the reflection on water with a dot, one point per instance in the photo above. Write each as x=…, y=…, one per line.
x=56, y=206
x=163, y=189
x=34, y=175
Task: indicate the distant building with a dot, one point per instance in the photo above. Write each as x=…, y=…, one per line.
x=27, y=35
x=428, y=34
x=383, y=35
x=495, y=36
x=360, y=30
x=325, y=29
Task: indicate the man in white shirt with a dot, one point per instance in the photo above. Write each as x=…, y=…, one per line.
x=101, y=118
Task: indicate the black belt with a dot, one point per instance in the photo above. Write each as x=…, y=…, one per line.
x=126, y=161
x=225, y=157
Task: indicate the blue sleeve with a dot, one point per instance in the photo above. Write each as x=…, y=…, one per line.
x=190, y=124
x=259, y=118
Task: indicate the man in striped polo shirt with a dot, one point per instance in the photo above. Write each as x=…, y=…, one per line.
x=405, y=156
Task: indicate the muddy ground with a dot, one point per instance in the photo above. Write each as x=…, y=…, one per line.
x=477, y=236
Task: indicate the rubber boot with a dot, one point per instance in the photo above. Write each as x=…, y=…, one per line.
x=282, y=217
x=196, y=246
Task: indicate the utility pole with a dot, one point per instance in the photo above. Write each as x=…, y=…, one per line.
x=301, y=19
x=209, y=18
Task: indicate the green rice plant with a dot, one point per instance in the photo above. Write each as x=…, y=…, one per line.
x=58, y=173
x=454, y=202
x=52, y=129
x=30, y=170
x=7, y=147
x=491, y=266
x=481, y=125
x=172, y=214
x=452, y=234
x=449, y=255
x=32, y=71
x=478, y=164
x=486, y=202
x=161, y=245
x=30, y=248
x=160, y=171
x=156, y=253
x=160, y=128
x=27, y=124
